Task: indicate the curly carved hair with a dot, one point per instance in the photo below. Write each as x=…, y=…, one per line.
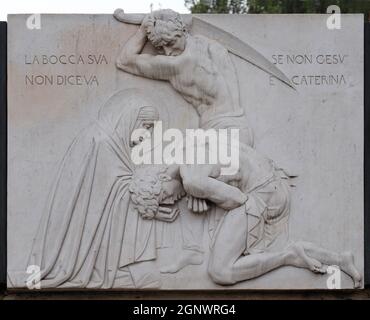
x=163, y=26
x=145, y=189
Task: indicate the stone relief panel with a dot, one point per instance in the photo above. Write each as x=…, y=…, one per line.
x=87, y=92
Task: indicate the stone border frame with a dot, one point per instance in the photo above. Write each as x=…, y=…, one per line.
x=3, y=153
x=367, y=151
x=178, y=294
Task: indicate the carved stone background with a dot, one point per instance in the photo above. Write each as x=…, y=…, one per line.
x=315, y=131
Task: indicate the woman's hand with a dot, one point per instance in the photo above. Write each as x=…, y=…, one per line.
x=167, y=214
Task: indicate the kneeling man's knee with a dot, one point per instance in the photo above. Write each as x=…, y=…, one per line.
x=220, y=274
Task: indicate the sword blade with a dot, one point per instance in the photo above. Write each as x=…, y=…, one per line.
x=237, y=47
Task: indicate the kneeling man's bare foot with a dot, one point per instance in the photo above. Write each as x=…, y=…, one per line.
x=297, y=257
x=347, y=265
x=188, y=257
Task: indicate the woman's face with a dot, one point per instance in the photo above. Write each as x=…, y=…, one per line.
x=143, y=130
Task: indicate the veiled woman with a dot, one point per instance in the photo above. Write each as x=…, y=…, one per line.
x=90, y=232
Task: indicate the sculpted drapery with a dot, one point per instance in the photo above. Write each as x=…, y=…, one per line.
x=90, y=229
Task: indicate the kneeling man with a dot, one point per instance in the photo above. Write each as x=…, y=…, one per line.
x=251, y=238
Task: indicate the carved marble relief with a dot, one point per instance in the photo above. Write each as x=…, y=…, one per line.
x=109, y=223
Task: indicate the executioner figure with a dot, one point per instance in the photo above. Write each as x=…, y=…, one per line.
x=198, y=68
